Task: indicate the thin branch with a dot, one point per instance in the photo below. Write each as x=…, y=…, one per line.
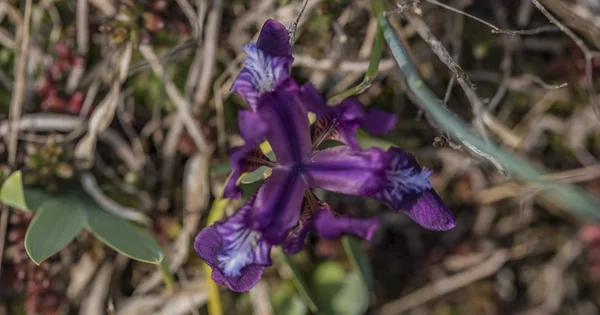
x=294, y=25
x=495, y=29
x=189, y=12
x=211, y=36
x=90, y=186
x=20, y=85
x=83, y=36
x=588, y=53
x=461, y=77
x=446, y=285
x=183, y=108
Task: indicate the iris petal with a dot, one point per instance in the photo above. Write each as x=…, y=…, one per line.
x=296, y=238
x=342, y=121
x=262, y=73
x=330, y=226
x=342, y=169
x=278, y=204
x=288, y=124
x=274, y=39
x=408, y=189
x=236, y=253
x=248, y=157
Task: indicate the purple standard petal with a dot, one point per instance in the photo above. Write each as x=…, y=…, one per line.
x=248, y=157
x=289, y=127
x=238, y=255
x=341, y=122
x=342, y=169
x=274, y=39
x=278, y=203
x=330, y=226
x=407, y=189
x=262, y=73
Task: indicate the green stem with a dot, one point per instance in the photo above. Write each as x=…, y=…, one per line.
x=300, y=284
x=370, y=75
x=165, y=271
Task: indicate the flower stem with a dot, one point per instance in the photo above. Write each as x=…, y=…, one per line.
x=370, y=75
x=164, y=268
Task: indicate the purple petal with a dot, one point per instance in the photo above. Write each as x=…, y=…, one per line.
x=278, y=204
x=237, y=254
x=342, y=121
x=408, y=189
x=248, y=157
x=274, y=39
x=330, y=226
x=253, y=128
x=342, y=169
x=262, y=73
x=314, y=101
x=288, y=134
x=431, y=212
x=296, y=238
x=379, y=122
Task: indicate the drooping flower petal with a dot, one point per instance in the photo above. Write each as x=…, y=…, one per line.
x=288, y=122
x=248, y=157
x=278, y=204
x=236, y=253
x=431, y=212
x=407, y=189
x=342, y=121
x=342, y=169
x=262, y=73
x=330, y=226
x=274, y=39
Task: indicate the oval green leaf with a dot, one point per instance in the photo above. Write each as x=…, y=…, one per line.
x=54, y=226
x=120, y=235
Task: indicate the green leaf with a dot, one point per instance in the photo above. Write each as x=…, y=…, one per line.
x=12, y=193
x=359, y=259
x=300, y=284
x=54, y=226
x=571, y=197
x=120, y=235
x=35, y=198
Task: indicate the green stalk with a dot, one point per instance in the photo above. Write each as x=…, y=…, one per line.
x=165, y=271
x=370, y=75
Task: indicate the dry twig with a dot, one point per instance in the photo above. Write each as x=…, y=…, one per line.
x=446, y=285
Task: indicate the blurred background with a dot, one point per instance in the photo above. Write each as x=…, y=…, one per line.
x=116, y=122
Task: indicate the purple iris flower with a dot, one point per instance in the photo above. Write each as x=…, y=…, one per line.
x=283, y=211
